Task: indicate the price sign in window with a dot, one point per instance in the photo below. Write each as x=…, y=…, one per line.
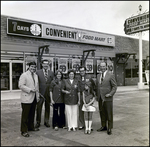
x=63, y=65
x=98, y=66
x=75, y=64
x=89, y=66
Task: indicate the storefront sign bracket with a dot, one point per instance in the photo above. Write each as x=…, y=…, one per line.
x=40, y=54
x=87, y=51
x=123, y=57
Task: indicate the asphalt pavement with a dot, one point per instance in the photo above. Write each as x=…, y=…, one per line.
x=131, y=124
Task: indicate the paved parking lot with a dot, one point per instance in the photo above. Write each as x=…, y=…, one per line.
x=131, y=125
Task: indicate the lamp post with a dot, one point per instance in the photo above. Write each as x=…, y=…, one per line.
x=40, y=54
x=140, y=84
x=87, y=51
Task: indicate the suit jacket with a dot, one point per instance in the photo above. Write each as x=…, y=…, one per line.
x=72, y=98
x=43, y=85
x=108, y=86
x=26, y=84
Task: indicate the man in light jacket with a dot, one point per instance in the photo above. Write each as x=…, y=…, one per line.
x=28, y=83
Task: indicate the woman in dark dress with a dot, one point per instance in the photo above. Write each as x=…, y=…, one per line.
x=58, y=120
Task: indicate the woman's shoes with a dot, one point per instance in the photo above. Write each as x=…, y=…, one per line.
x=56, y=128
x=25, y=134
x=89, y=132
x=86, y=131
x=69, y=129
x=74, y=129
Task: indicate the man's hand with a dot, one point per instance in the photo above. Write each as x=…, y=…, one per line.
x=67, y=92
x=38, y=99
x=108, y=95
x=33, y=90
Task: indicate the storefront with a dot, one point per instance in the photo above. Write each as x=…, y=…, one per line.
x=23, y=40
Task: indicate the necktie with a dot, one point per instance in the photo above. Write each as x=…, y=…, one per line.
x=33, y=77
x=46, y=75
x=82, y=78
x=102, y=77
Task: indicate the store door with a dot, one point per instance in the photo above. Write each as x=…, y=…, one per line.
x=5, y=72
x=10, y=73
x=17, y=70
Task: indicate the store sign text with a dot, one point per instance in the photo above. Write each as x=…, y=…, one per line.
x=137, y=23
x=55, y=32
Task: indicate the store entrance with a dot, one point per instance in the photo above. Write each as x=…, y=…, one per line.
x=10, y=73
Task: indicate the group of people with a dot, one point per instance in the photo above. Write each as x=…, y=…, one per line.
x=72, y=99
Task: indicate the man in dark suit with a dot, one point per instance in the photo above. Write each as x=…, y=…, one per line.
x=45, y=77
x=106, y=87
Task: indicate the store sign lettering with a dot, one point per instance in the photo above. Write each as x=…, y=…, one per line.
x=137, y=23
x=56, y=32
x=60, y=33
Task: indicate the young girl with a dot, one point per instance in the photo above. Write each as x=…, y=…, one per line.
x=88, y=100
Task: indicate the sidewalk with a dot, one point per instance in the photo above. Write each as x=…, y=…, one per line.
x=16, y=94
x=130, y=128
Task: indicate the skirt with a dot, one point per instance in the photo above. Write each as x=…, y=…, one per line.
x=88, y=109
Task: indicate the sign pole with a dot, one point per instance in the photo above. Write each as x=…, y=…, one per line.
x=140, y=84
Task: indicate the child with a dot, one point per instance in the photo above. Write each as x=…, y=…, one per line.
x=88, y=100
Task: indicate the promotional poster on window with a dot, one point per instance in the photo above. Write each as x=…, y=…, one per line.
x=89, y=66
x=75, y=64
x=63, y=65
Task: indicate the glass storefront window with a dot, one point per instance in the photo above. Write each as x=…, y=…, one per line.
x=17, y=70
x=132, y=68
x=5, y=76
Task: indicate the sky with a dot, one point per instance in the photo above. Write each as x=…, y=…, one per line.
x=101, y=16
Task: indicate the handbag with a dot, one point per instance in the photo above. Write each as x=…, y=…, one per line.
x=89, y=108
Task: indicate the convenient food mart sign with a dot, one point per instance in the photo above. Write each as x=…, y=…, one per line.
x=56, y=32
x=137, y=23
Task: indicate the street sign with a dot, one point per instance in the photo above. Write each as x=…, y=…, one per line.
x=137, y=24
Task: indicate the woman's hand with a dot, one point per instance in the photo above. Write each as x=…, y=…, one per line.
x=78, y=102
x=67, y=92
x=52, y=102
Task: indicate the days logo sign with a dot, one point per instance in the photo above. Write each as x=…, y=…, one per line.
x=22, y=28
x=137, y=24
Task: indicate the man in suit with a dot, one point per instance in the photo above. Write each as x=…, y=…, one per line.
x=82, y=80
x=45, y=77
x=106, y=87
x=28, y=83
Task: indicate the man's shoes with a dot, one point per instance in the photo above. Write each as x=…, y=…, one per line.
x=47, y=124
x=102, y=129
x=37, y=125
x=80, y=128
x=34, y=129
x=109, y=132
x=25, y=134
